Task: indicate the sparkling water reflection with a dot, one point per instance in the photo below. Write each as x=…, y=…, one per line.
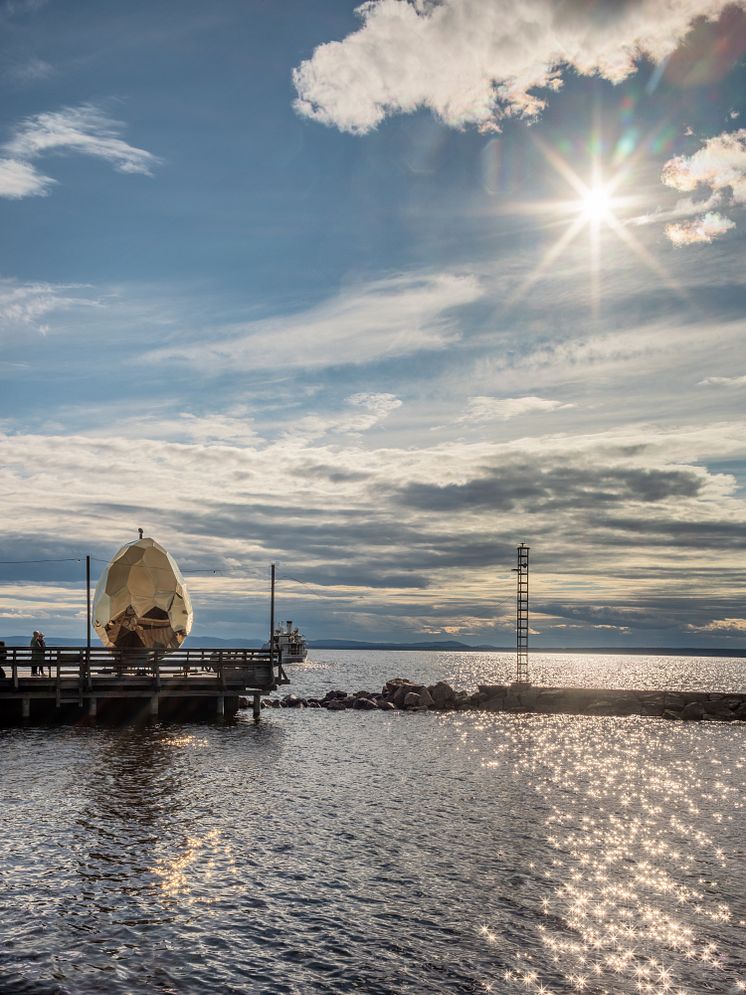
x=376, y=852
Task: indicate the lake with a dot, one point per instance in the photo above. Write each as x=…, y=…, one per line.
x=383, y=852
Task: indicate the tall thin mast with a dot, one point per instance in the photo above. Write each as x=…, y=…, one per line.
x=521, y=615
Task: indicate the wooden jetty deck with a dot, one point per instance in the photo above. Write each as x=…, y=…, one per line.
x=77, y=682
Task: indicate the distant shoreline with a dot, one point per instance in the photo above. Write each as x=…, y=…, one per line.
x=339, y=644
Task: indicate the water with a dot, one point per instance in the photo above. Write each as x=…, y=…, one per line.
x=382, y=852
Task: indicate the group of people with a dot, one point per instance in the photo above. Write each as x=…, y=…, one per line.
x=38, y=648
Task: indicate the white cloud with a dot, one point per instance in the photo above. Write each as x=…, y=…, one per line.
x=374, y=408
x=483, y=409
x=363, y=411
x=27, y=305
x=720, y=165
x=20, y=179
x=474, y=62
x=702, y=230
x=384, y=319
x=84, y=129
x=723, y=382
x=722, y=626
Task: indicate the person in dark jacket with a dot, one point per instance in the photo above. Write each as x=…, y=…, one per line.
x=37, y=653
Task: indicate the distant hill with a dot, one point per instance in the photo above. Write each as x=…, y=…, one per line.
x=450, y=645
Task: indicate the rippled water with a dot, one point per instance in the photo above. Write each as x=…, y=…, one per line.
x=381, y=852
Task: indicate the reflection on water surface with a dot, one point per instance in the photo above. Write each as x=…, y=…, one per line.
x=375, y=852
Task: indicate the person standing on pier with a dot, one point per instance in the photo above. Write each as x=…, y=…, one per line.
x=37, y=653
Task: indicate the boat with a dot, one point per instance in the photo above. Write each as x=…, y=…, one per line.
x=289, y=643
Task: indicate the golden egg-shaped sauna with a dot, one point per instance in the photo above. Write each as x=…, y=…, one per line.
x=141, y=600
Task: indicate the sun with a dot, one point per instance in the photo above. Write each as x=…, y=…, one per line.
x=599, y=206
x=596, y=203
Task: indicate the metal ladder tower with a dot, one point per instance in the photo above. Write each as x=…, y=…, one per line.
x=521, y=616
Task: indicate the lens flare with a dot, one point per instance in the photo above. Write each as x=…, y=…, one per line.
x=595, y=204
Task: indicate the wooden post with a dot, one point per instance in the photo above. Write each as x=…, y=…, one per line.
x=154, y=706
x=25, y=708
x=220, y=706
x=272, y=618
x=256, y=710
x=92, y=708
x=88, y=603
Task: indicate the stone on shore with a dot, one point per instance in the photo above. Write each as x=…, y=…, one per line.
x=364, y=704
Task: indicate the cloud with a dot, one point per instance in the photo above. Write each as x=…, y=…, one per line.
x=719, y=165
x=21, y=179
x=353, y=525
x=30, y=71
x=543, y=487
x=475, y=63
x=483, y=409
x=722, y=627
x=374, y=408
x=27, y=305
x=702, y=230
x=387, y=318
x=84, y=129
x=723, y=382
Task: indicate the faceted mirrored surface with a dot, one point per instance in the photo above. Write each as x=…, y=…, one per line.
x=141, y=599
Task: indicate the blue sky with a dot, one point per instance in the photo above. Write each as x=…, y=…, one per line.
x=294, y=282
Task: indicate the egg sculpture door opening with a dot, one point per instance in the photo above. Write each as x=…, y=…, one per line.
x=141, y=600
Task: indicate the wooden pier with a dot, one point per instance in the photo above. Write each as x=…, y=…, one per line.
x=71, y=683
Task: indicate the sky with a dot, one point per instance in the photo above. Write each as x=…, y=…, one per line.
x=376, y=294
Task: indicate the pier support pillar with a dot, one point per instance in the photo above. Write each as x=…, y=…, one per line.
x=154, y=706
x=25, y=708
x=92, y=708
x=256, y=709
x=220, y=706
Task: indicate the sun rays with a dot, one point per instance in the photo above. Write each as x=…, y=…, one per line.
x=599, y=204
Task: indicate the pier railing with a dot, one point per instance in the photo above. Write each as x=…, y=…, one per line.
x=230, y=668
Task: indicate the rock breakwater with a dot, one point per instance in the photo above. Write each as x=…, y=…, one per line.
x=401, y=694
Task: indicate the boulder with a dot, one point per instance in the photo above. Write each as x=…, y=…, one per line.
x=442, y=694
x=693, y=711
x=468, y=700
x=718, y=710
x=669, y=713
x=313, y=704
x=334, y=695
x=425, y=696
x=652, y=702
x=349, y=701
x=364, y=704
x=391, y=687
x=386, y=706
x=411, y=700
x=400, y=693
x=336, y=705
